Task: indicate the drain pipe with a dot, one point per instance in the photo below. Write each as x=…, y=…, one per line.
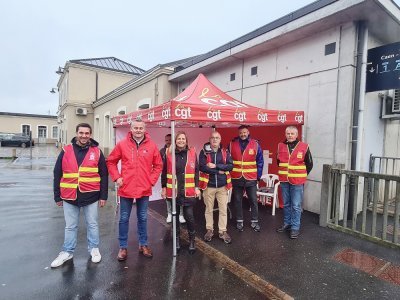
x=358, y=108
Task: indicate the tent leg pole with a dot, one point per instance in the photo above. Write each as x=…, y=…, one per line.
x=173, y=189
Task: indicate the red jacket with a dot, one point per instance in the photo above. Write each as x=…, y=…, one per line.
x=140, y=166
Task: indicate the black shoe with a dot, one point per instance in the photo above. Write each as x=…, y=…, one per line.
x=294, y=234
x=255, y=226
x=192, y=244
x=284, y=227
x=239, y=226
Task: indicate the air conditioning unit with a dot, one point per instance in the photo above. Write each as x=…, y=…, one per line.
x=391, y=105
x=396, y=101
x=81, y=111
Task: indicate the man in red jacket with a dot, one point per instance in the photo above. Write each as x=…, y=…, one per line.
x=141, y=165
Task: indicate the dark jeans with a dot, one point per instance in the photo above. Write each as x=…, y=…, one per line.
x=189, y=217
x=237, y=195
x=125, y=213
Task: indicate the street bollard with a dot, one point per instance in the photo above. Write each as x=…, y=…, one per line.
x=14, y=153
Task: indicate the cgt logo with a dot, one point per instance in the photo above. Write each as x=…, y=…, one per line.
x=183, y=113
x=241, y=116
x=282, y=118
x=150, y=116
x=263, y=117
x=166, y=113
x=214, y=115
x=298, y=118
x=223, y=102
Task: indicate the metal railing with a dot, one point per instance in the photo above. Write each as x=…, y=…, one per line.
x=388, y=166
x=345, y=197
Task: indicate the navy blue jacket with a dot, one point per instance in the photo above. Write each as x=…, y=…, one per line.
x=216, y=180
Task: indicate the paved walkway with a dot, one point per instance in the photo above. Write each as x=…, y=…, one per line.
x=255, y=266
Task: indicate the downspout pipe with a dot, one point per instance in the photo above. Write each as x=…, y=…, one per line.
x=358, y=110
x=359, y=96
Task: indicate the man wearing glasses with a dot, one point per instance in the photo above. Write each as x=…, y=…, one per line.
x=215, y=163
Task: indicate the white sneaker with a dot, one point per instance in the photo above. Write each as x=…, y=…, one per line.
x=61, y=259
x=95, y=253
x=169, y=218
x=181, y=219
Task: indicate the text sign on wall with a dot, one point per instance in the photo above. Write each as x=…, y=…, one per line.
x=383, y=68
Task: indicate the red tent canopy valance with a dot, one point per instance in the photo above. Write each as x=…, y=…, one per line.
x=202, y=103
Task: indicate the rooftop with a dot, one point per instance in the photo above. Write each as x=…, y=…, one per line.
x=109, y=63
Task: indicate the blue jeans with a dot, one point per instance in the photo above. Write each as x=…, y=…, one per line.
x=71, y=216
x=292, y=200
x=125, y=213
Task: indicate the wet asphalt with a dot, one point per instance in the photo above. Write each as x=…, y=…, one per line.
x=32, y=230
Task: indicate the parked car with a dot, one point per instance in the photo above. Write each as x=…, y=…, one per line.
x=13, y=140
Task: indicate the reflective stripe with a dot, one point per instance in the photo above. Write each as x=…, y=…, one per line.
x=68, y=185
x=283, y=172
x=70, y=175
x=283, y=164
x=249, y=170
x=203, y=179
x=297, y=175
x=87, y=169
x=244, y=170
x=249, y=163
x=297, y=167
x=244, y=163
x=169, y=185
x=89, y=179
x=189, y=185
x=186, y=176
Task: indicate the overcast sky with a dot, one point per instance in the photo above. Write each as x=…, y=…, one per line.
x=38, y=36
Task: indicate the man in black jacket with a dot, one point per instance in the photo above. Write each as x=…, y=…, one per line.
x=214, y=164
x=80, y=181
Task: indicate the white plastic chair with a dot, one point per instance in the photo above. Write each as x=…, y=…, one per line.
x=269, y=192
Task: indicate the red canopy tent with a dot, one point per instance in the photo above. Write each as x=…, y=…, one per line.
x=202, y=104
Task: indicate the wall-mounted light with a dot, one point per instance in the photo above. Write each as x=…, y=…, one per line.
x=53, y=90
x=60, y=71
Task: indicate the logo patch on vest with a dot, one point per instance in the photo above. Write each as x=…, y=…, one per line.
x=91, y=157
x=300, y=155
x=251, y=151
x=192, y=165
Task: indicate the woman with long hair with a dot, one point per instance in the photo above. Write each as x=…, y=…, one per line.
x=187, y=182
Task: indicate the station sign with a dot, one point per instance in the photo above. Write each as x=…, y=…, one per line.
x=383, y=68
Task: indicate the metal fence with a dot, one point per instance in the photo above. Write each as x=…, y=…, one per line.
x=349, y=203
x=388, y=166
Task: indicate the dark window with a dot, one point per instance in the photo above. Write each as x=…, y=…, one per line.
x=144, y=106
x=26, y=129
x=233, y=76
x=253, y=71
x=330, y=48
